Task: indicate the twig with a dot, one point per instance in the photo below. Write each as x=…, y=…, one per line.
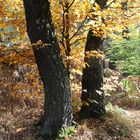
x=110, y=3
x=71, y=4
x=77, y=40
x=81, y=24
x=78, y=28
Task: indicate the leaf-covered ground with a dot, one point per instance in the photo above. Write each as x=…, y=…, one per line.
x=135, y=116
x=20, y=124
x=19, y=116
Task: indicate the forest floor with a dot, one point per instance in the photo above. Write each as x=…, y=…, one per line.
x=135, y=117
x=20, y=125
x=18, y=117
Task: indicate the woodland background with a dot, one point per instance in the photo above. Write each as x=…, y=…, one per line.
x=22, y=95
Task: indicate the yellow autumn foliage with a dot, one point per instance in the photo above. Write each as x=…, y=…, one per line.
x=72, y=20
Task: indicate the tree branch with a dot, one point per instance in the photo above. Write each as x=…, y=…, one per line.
x=81, y=24
x=71, y=4
x=110, y=3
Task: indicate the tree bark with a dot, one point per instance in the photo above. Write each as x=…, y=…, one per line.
x=57, y=105
x=92, y=81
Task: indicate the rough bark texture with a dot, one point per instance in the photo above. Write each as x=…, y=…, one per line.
x=57, y=106
x=92, y=80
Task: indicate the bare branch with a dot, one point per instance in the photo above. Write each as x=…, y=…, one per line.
x=79, y=28
x=110, y=3
x=81, y=24
x=71, y=4
x=77, y=40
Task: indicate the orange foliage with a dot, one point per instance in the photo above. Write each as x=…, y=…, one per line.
x=74, y=16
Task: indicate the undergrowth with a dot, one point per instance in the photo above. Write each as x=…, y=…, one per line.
x=121, y=120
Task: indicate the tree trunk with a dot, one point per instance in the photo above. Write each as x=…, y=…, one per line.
x=92, y=80
x=57, y=105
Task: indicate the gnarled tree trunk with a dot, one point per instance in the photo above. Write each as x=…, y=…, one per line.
x=92, y=80
x=57, y=106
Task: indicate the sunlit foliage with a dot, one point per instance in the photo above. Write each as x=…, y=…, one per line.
x=72, y=20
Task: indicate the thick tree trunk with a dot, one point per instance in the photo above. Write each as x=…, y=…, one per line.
x=57, y=106
x=92, y=80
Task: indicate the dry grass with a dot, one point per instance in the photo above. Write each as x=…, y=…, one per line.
x=19, y=116
x=121, y=119
x=17, y=119
x=18, y=124
x=116, y=125
x=131, y=102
